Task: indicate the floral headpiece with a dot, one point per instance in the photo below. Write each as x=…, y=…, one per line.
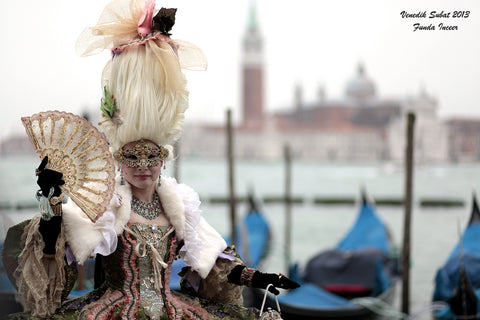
x=125, y=23
x=150, y=28
x=148, y=101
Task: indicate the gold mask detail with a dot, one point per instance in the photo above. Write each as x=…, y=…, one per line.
x=141, y=155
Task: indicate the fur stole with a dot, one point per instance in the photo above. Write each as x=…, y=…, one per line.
x=202, y=244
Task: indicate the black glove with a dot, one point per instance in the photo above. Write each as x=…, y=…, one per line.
x=49, y=178
x=261, y=280
x=50, y=230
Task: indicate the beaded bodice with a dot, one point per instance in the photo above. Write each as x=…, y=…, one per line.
x=152, y=234
x=152, y=250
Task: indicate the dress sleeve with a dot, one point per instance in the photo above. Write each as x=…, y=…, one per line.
x=41, y=281
x=12, y=247
x=215, y=287
x=202, y=243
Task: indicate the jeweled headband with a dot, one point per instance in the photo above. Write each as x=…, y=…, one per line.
x=141, y=154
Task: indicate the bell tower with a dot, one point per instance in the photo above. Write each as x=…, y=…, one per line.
x=252, y=72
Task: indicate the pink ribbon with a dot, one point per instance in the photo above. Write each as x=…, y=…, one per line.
x=145, y=22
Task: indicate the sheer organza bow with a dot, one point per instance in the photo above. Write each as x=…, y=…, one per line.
x=126, y=23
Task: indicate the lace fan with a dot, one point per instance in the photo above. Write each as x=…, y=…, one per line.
x=78, y=150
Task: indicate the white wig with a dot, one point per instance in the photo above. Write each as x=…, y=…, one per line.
x=150, y=94
x=145, y=89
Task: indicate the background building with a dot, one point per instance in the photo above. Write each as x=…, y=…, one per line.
x=361, y=126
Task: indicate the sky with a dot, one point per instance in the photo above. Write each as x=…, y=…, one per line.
x=310, y=43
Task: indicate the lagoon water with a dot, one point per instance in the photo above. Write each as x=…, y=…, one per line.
x=434, y=230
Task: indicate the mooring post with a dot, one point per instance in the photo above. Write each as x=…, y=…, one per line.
x=178, y=158
x=288, y=207
x=81, y=278
x=409, y=162
x=231, y=176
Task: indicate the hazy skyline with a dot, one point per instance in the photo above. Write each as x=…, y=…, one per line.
x=310, y=43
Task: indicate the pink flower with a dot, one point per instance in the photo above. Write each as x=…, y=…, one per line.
x=145, y=22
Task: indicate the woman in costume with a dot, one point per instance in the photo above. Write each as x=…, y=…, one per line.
x=151, y=220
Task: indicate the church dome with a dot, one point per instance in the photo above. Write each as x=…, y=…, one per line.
x=361, y=86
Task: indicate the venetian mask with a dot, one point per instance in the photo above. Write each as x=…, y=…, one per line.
x=141, y=154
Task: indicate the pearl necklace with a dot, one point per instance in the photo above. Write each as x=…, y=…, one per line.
x=147, y=210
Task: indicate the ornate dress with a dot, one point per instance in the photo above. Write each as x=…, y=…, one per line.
x=136, y=273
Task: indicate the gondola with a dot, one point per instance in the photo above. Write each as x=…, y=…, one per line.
x=457, y=282
x=337, y=283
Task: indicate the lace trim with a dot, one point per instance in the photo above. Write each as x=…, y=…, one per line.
x=40, y=280
x=128, y=297
x=215, y=287
x=103, y=308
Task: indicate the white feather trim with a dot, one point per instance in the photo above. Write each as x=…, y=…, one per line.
x=81, y=234
x=202, y=243
x=86, y=238
x=213, y=245
x=124, y=207
x=191, y=250
x=172, y=204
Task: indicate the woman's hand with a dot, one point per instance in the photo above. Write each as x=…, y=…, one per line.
x=242, y=275
x=262, y=280
x=50, y=228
